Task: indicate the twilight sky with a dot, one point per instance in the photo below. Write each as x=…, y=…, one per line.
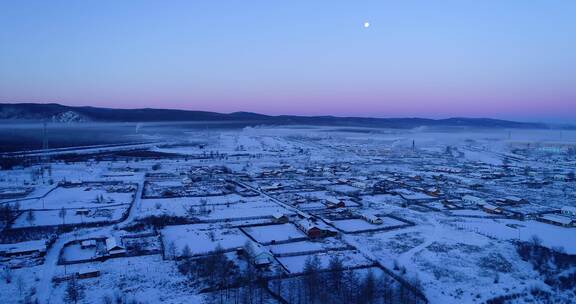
x=491, y=58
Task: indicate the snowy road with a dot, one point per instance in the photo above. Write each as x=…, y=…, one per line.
x=51, y=260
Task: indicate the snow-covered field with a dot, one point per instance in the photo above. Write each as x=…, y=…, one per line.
x=295, y=264
x=202, y=239
x=274, y=233
x=359, y=225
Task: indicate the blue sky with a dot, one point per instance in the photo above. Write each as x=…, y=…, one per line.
x=505, y=59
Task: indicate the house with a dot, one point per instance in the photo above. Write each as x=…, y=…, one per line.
x=37, y=247
x=82, y=211
x=359, y=185
x=88, y=244
x=114, y=246
x=309, y=228
x=558, y=220
x=568, y=211
x=372, y=219
x=491, y=208
x=473, y=200
x=280, y=217
x=433, y=191
x=335, y=203
x=88, y=273
x=315, y=230
x=514, y=200
x=262, y=258
x=272, y=187
x=415, y=197
x=451, y=203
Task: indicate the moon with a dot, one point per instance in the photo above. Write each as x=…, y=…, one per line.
x=366, y=24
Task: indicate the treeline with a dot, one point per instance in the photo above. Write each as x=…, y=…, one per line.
x=222, y=280
x=557, y=267
x=338, y=285
x=8, y=213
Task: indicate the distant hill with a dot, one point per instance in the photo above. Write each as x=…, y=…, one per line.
x=67, y=114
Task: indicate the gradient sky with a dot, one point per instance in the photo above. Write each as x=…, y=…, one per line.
x=490, y=58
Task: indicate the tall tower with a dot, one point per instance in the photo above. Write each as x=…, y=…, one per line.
x=44, y=137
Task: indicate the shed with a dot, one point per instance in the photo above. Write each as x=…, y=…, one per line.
x=280, y=217
x=491, y=208
x=87, y=244
x=473, y=200
x=114, y=246
x=557, y=220
x=88, y=273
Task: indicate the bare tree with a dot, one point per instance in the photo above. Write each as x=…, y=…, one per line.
x=62, y=215
x=7, y=275
x=20, y=284
x=171, y=251
x=74, y=291
x=186, y=252
x=30, y=216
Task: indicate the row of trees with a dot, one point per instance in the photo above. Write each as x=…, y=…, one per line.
x=224, y=281
x=336, y=285
x=227, y=283
x=558, y=267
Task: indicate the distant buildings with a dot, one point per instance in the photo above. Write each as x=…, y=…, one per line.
x=473, y=200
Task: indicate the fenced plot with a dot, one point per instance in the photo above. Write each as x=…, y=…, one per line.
x=361, y=225
x=274, y=233
x=349, y=258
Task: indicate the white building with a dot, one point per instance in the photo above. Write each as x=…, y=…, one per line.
x=114, y=246
x=473, y=200
x=371, y=218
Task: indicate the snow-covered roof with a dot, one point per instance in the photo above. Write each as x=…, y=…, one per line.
x=471, y=198
x=490, y=207
x=306, y=225
x=557, y=219
x=278, y=215
x=89, y=243
x=87, y=270
x=38, y=245
x=113, y=243
x=370, y=216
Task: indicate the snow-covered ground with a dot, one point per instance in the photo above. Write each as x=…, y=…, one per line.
x=458, y=256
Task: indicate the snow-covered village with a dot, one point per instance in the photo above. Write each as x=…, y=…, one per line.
x=294, y=214
x=287, y=152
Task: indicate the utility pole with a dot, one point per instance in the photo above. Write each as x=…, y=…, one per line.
x=45, y=161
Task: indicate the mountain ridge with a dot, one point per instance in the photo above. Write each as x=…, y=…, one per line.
x=72, y=114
